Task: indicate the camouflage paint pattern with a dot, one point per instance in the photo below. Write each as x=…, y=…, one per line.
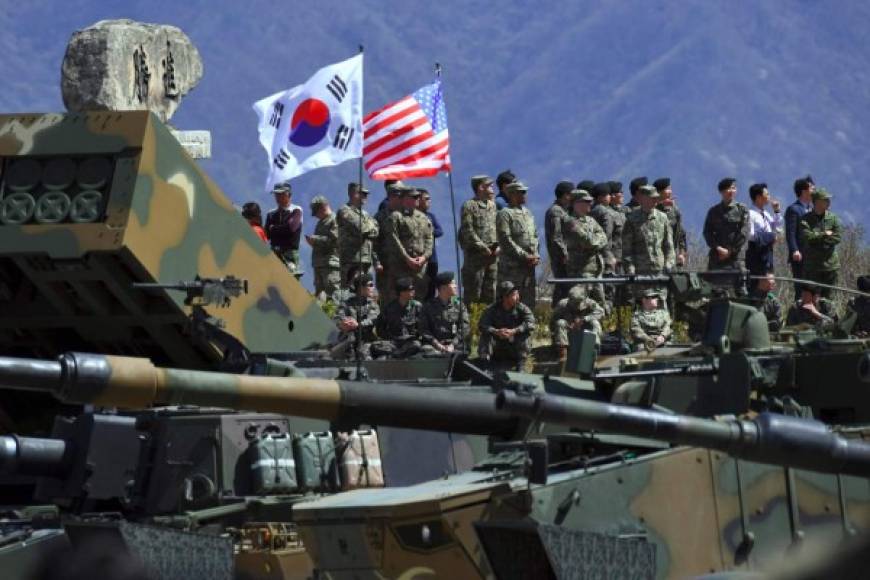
x=162, y=219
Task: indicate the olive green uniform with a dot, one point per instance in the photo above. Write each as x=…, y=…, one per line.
x=364, y=310
x=514, y=351
x=556, y=249
x=646, y=325
x=820, y=258
x=409, y=235
x=399, y=324
x=727, y=225
x=357, y=232
x=440, y=322
x=575, y=313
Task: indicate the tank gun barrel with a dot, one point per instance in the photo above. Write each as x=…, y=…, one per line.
x=32, y=455
x=770, y=438
x=135, y=383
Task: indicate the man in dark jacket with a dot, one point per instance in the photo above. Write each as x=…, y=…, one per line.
x=803, y=190
x=284, y=226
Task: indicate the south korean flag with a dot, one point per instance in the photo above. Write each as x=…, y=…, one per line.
x=317, y=124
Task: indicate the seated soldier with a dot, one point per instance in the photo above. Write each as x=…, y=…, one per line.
x=575, y=312
x=650, y=325
x=860, y=305
x=812, y=309
x=355, y=318
x=764, y=299
x=505, y=329
x=398, y=323
x=442, y=329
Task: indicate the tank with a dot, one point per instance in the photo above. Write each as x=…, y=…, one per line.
x=555, y=497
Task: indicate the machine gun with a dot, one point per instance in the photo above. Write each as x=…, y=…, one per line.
x=217, y=292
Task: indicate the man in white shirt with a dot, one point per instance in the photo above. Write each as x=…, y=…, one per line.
x=763, y=231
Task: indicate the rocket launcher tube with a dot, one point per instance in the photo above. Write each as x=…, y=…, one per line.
x=135, y=383
x=771, y=438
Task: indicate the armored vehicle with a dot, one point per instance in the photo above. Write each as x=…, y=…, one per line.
x=550, y=501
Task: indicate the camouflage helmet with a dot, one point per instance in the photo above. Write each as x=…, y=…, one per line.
x=821, y=194
x=505, y=288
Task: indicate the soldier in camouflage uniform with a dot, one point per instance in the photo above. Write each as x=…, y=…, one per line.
x=479, y=243
x=575, y=312
x=399, y=321
x=390, y=204
x=650, y=325
x=357, y=232
x=355, y=319
x=586, y=243
x=518, y=240
x=726, y=231
x=820, y=234
x=324, y=249
x=647, y=245
x=811, y=309
x=444, y=325
x=505, y=329
x=668, y=206
x=409, y=242
x=765, y=300
x=607, y=219
x=556, y=215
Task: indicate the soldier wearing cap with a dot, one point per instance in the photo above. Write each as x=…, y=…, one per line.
x=576, y=312
x=813, y=310
x=650, y=325
x=586, y=243
x=518, y=240
x=556, y=216
x=390, y=204
x=357, y=232
x=634, y=188
x=726, y=230
x=409, y=242
x=324, y=249
x=647, y=243
x=606, y=218
x=399, y=321
x=616, y=208
x=668, y=206
x=820, y=234
x=444, y=325
x=479, y=244
x=355, y=319
x=284, y=226
x=506, y=328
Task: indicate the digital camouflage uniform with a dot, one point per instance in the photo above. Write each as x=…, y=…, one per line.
x=727, y=225
x=647, y=246
x=382, y=253
x=399, y=324
x=575, y=312
x=368, y=312
x=476, y=236
x=409, y=235
x=616, y=241
x=586, y=242
x=324, y=256
x=769, y=304
x=556, y=250
x=820, y=258
x=646, y=325
x=357, y=232
x=518, y=239
x=440, y=322
x=514, y=351
x=606, y=218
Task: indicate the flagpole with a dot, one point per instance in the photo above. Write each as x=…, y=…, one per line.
x=359, y=264
x=455, y=235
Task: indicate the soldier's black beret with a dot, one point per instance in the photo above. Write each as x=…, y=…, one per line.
x=404, y=283
x=505, y=177
x=615, y=187
x=662, y=183
x=563, y=188
x=586, y=184
x=600, y=189
x=636, y=183
x=442, y=278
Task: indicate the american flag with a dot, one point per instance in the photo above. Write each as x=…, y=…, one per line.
x=408, y=138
